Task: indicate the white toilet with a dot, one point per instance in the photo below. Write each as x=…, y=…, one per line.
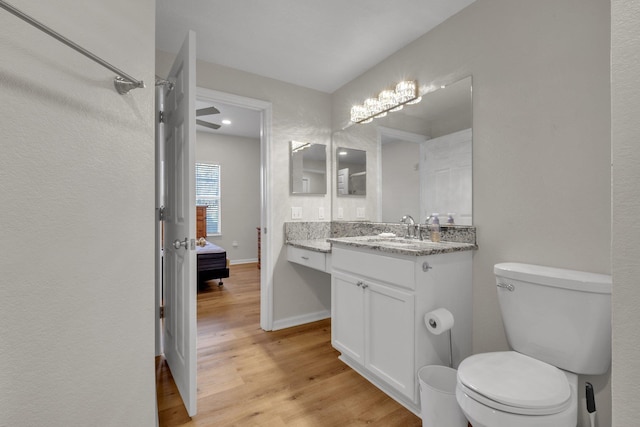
x=558, y=322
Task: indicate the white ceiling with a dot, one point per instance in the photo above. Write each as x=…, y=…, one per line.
x=244, y=122
x=319, y=44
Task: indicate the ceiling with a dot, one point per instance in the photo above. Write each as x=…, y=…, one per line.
x=244, y=122
x=321, y=44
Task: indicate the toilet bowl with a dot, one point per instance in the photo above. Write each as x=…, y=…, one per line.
x=507, y=389
x=558, y=323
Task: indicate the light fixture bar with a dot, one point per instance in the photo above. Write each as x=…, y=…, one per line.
x=387, y=101
x=368, y=119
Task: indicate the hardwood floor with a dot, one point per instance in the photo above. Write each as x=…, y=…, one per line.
x=249, y=377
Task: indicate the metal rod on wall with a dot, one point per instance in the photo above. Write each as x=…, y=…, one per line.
x=123, y=82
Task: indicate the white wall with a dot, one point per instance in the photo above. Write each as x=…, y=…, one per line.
x=299, y=114
x=239, y=160
x=541, y=138
x=625, y=133
x=77, y=197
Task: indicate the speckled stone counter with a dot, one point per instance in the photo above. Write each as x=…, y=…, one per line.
x=318, y=245
x=401, y=246
x=318, y=236
x=448, y=233
x=311, y=235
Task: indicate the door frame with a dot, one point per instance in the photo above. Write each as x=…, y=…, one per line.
x=266, y=218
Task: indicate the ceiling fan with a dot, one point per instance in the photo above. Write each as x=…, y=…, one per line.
x=206, y=112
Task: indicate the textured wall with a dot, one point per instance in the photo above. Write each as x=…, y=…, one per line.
x=541, y=138
x=77, y=197
x=625, y=134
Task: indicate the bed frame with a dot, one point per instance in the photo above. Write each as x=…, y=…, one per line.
x=212, y=264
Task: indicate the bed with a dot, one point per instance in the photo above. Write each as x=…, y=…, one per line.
x=212, y=263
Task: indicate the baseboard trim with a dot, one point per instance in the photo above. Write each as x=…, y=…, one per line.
x=243, y=261
x=301, y=320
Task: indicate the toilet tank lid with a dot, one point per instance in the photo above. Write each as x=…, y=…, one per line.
x=555, y=277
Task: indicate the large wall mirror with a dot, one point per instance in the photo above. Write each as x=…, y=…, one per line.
x=422, y=156
x=351, y=170
x=308, y=168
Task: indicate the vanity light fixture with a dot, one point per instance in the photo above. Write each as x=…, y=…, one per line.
x=299, y=146
x=405, y=93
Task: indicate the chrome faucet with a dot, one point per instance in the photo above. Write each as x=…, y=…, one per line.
x=411, y=224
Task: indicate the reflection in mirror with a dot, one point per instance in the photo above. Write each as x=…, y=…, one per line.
x=422, y=156
x=308, y=168
x=428, y=169
x=352, y=172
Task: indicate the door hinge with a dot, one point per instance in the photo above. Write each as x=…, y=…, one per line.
x=161, y=312
x=161, y=117
x=161, y=212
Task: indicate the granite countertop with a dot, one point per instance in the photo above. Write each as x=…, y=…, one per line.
x=318, y=245
x=402, y=246
x=393, y=245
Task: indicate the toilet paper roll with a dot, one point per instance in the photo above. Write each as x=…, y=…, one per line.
x=439, y=321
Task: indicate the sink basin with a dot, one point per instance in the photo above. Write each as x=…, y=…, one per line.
x=396, y=241
x=401, y=245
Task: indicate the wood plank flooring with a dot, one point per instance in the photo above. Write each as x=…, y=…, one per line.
x=249, y=377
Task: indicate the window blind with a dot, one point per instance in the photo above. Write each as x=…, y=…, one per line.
x=208, y=193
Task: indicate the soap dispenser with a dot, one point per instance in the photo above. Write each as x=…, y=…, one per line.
x=434, y=229
x=450, y=219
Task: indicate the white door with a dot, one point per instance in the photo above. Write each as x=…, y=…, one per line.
x=446, y=178
x=347, y=314
x=343, y=181
x=389, y=332
x=179, y=232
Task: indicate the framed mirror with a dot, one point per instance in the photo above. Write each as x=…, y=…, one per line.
x=351, y=172
x=308, y=168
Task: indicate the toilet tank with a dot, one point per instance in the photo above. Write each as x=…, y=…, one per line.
x=562, y=317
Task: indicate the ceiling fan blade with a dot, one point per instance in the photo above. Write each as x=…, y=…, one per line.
x=207, y=124
x=207, y=111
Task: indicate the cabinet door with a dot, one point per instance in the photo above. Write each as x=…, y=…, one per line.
x=347, y=316
x=389, y=332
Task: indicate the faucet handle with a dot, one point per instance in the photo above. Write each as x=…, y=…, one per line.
x=407, y=219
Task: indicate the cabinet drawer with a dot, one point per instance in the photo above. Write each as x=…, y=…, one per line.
x=397, y=271
x=311, y=259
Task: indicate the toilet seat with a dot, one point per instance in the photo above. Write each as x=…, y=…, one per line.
x=513, y=382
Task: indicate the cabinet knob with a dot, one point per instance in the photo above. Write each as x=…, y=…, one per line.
x=359, y=283
x=426, y=266
x=365, y=286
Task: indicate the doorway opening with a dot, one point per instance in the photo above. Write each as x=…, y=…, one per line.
x=263, y=108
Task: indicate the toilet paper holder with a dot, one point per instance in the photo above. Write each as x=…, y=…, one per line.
x=433, y=323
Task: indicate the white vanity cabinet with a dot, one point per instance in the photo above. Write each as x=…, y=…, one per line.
x=373, y=325
x=309, y=258
x=378, y=303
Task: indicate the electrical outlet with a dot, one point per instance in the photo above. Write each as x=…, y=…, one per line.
x=340, y=214
x=320, y=212
x=296, y=212
x=360, y=213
